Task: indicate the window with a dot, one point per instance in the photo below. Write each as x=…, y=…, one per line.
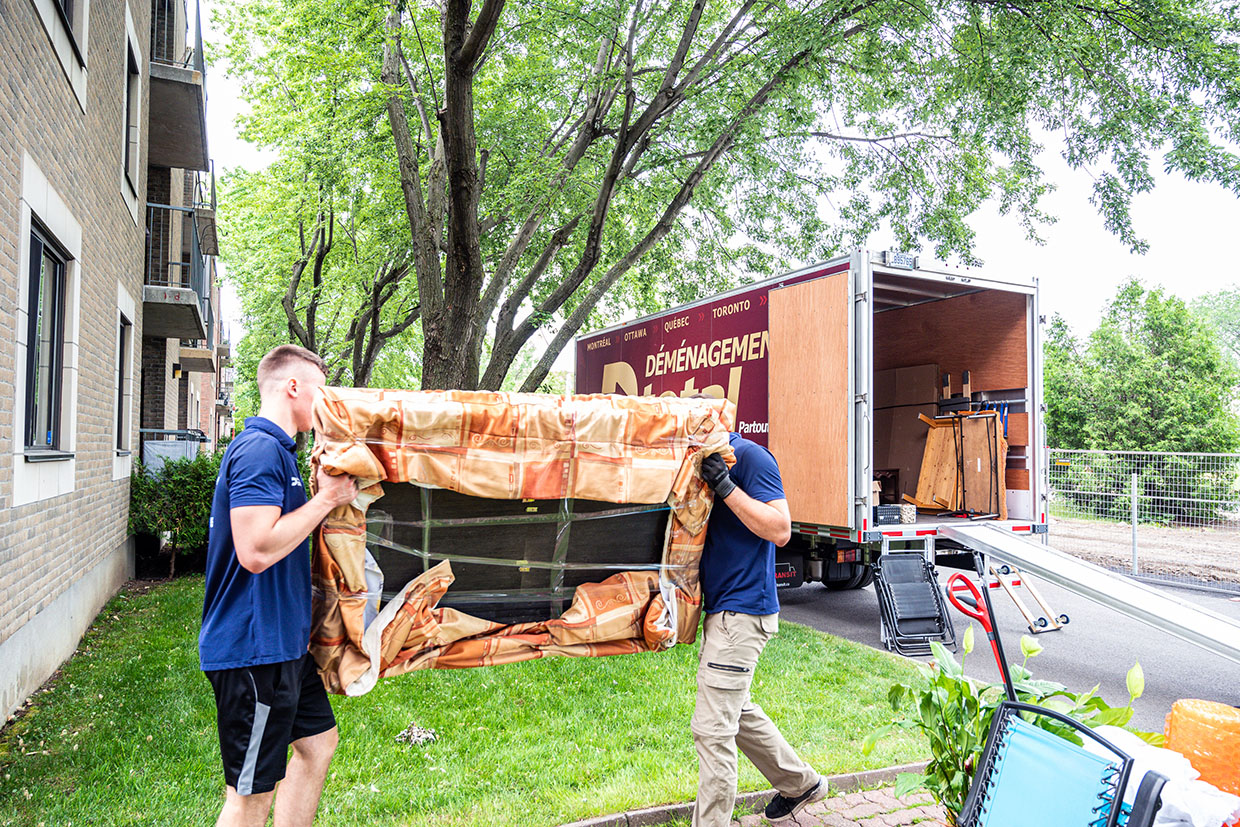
x=44, y=342
x=66, y=10
x=133, y=97
x=124, y=347
x=67, y=26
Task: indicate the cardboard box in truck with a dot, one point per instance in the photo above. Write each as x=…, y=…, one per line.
x=832, y=367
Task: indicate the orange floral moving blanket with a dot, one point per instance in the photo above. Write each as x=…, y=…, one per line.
x=515, y=447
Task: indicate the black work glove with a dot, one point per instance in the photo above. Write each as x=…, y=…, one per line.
x=715, y=472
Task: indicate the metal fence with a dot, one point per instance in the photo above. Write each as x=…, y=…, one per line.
x=1164, y=516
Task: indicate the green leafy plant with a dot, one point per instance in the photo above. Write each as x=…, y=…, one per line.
x=175, y=502
x=954, y=712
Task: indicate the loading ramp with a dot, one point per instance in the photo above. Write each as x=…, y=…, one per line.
x=1201, y=627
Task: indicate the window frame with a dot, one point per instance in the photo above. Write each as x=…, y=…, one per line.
x=124, y=347
x=133, y=100
x=42, y=242
x=65, y=11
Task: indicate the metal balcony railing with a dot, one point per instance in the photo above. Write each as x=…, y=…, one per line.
x=169, y=35
x=174, y=256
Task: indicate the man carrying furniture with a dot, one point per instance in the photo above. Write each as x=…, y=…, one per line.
x=256, y=612
x=750, y=516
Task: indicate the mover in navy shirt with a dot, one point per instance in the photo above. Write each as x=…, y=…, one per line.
x=256, y=609
x=749, y=517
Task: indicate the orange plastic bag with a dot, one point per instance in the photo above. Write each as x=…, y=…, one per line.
x=1208, y=735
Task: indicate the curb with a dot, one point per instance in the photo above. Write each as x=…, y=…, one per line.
x=748, y=802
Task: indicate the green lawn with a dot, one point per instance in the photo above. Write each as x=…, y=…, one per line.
x=126, y=734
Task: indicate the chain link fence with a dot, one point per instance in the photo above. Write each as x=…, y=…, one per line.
x=1165, y=516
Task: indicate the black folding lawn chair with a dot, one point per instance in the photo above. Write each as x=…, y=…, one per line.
x=1031, y=777
x=910, y=604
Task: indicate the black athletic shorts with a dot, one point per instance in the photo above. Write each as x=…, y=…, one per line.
x=260, y=710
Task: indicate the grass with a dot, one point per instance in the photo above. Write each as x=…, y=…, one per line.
x=126, y=732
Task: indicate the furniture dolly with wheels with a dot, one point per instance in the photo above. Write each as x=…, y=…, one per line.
x=1009, y=579
x=1030, y=777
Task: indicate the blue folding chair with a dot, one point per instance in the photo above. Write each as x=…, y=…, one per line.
x=1030, y=777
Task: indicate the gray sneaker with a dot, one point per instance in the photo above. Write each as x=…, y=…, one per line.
x=783, y=808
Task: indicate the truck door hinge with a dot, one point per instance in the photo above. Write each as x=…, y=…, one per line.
x=863, y=296
x=860, y=397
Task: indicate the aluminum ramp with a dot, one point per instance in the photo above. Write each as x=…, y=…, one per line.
x=1201, y=627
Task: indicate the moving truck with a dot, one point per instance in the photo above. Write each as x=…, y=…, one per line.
x=838, y=369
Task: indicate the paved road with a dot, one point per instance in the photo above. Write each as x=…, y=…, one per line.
x=1098, y=646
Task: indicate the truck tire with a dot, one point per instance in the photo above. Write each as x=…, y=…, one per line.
x=867, y=579
x=861, y=576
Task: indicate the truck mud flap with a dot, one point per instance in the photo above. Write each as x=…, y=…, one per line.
x=912, y=611
x=789, y=569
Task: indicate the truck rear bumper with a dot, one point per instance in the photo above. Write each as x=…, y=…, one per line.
x=926, y=526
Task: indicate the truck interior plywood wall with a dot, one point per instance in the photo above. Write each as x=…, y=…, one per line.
x=810, y=398
x=900, y=396
x=985, y=333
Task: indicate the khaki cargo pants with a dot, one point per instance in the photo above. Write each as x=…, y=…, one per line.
x=726, y=718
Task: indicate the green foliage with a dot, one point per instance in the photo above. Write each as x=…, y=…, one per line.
x=1150, y=378
x=175, y=500
x=833, y=122
x=1063, y=377
x=1158, y=380
x=954, y=713
x=1222, y=311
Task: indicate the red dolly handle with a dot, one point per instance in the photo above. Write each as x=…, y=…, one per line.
x=969, y=604
x=964, y=595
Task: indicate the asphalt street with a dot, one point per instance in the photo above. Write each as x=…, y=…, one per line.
x=1098, y=646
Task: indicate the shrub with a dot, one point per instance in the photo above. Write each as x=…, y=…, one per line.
x=175, y=501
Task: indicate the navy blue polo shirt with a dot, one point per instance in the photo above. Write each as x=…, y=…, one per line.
x=738, y=566
x=250, y=619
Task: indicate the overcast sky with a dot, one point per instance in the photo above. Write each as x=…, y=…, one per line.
x=1192, y=229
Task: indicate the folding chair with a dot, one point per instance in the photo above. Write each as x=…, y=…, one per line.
x=911, y=608
x=1030, y=777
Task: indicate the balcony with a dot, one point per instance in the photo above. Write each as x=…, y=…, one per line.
x=178, y=106
x=176, y=294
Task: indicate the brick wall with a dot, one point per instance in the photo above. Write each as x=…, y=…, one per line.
x=154, y=375
x=48, y=545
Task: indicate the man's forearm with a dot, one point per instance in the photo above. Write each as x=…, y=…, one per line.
x=764, y=519
x=286, y=534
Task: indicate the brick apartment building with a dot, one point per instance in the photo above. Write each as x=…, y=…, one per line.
x=108, y=304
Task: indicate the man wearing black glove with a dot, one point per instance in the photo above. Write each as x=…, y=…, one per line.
x=749, y=517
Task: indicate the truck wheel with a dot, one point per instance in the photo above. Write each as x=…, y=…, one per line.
x=862, y=575
x=867, y=579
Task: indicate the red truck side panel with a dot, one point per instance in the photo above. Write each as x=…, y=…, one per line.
x=717, y=347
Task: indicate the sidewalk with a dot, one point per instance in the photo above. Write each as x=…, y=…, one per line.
x=857, y=800
x=869, y=808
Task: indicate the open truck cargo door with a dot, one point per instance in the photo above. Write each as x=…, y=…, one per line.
x=811, y=392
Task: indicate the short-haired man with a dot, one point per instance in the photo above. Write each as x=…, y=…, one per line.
x=255, y=634
x=750, y=517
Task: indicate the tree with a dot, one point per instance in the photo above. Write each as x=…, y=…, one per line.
x=1156, y=378
x=1222, y=310
x=1152, y=380
x=1063, y=377
x=546, y=156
